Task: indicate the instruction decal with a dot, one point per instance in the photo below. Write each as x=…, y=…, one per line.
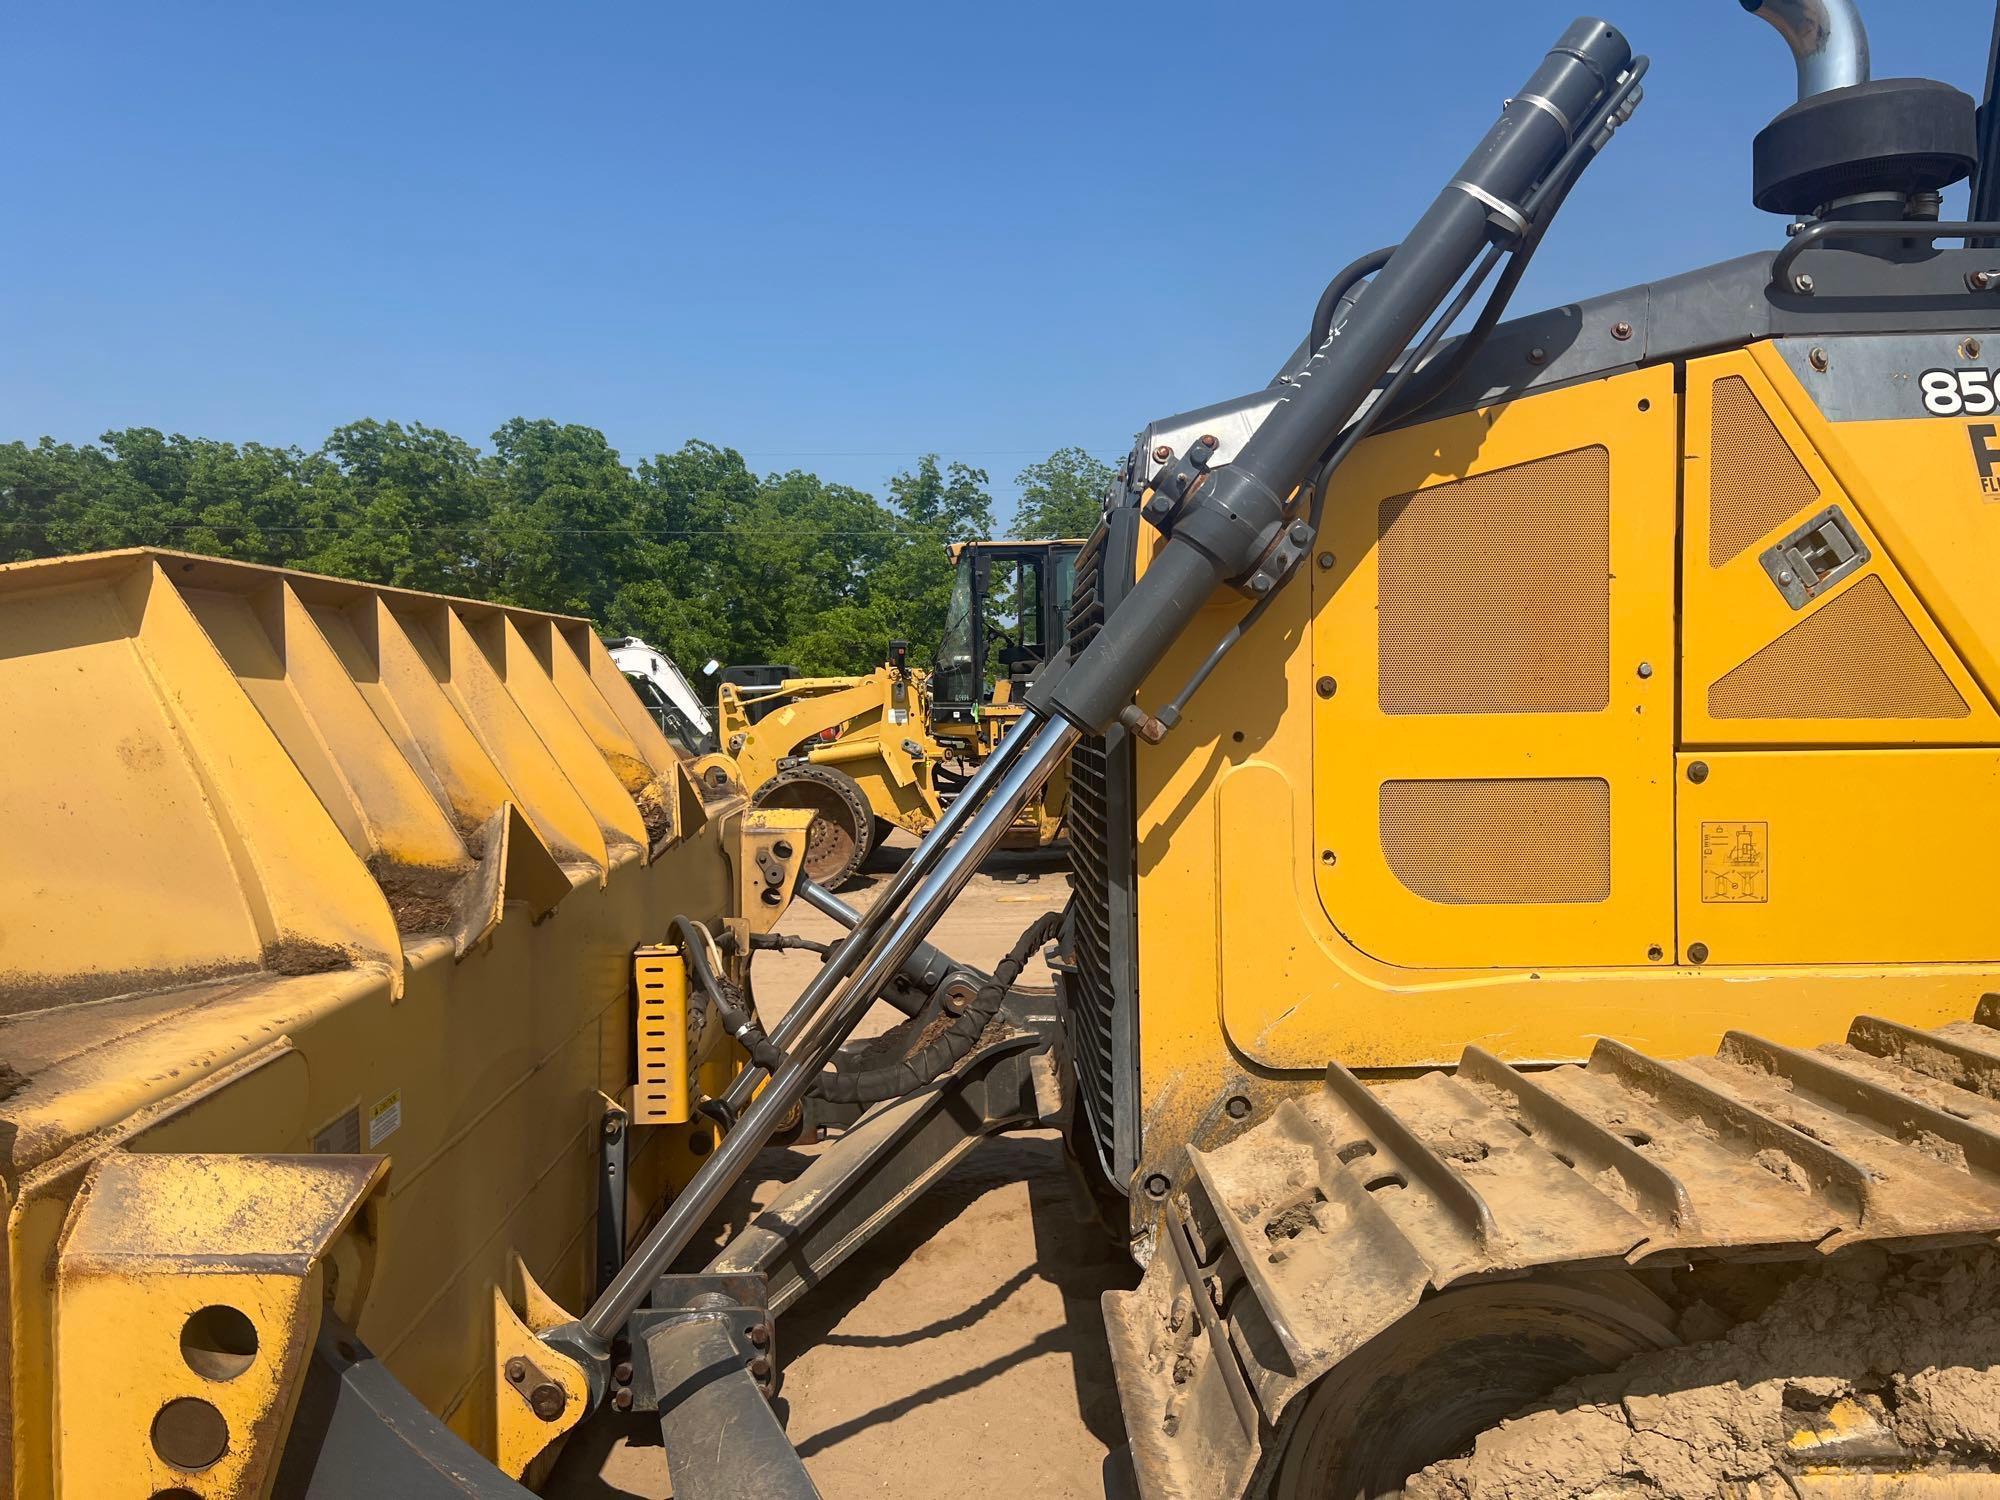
x=1735, y=862
x=342, y=1137
x=385, y=1118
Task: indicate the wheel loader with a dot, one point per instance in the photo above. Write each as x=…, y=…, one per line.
x=1529, y=997
x=885, y=750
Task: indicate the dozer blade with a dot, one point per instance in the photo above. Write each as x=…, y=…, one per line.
x=1516, y=1207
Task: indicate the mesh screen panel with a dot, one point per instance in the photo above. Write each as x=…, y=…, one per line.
x=1855, y=657
x=1496, y=591
x=1475, y=843
x=1756, y=482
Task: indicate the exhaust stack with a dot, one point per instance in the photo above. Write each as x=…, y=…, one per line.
x=1827, y=39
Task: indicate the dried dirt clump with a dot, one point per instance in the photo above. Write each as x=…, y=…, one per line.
x=1881, y=1364
x=421, y=899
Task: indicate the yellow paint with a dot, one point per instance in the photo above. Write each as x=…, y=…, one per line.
x=1357, y=746
x=1732, y=612
x=160, y=1251
x=211, y=764
x=865, y=712
x=670, y=1043
x=1256, y=952
x=1916, y=481
x=1871, y=856
x=876, y=718
x=520, y=1437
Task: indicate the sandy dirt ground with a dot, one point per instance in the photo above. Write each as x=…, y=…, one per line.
x=963, y=1350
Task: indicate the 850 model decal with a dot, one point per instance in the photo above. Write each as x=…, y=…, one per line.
x=1959, y=393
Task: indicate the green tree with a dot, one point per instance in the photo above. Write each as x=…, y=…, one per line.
x=402, y=505
x=1062, y=496
x=562, y=518
x=953, y=501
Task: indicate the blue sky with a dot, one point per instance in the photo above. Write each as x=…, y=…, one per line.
x=833, y=237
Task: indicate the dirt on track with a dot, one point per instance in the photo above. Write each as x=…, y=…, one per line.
x=1896, y=1363
x=961, y=1352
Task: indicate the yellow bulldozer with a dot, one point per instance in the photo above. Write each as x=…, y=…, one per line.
x=888, y=749
x=1529, y=998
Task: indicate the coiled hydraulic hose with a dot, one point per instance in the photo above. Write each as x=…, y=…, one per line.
x=698, y=948
x=892, y=1081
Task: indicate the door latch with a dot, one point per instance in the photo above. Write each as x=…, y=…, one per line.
x=1813, y=558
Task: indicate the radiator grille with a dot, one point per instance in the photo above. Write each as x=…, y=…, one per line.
x=1090, y=990
x=1755, y=481
x=1478, y=843
x=1855, y=657
x=1496, y=591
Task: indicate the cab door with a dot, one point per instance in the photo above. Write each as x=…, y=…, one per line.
x=1493, y=684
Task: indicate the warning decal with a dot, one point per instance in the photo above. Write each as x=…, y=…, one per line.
x=1735, y=862
x=384, y=1118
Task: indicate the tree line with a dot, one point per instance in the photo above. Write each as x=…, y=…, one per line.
x=691, y=549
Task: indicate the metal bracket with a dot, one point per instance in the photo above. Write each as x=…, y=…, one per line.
x=705, y=1358
x=611, y=1193
x=735, y=1302
x=1815, y=557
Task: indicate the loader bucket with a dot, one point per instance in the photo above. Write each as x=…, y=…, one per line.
x=317, y=914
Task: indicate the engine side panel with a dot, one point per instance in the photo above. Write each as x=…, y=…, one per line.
x=1402, y=850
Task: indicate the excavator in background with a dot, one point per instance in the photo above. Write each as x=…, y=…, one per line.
x=1528, y=996
x=890, y=748
x=665, y=691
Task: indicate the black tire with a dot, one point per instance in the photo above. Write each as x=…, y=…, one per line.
x=1457, y=1364
x=843, y=826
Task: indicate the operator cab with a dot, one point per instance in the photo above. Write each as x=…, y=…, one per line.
x=1009, y=609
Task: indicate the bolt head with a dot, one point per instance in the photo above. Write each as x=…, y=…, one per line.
x=1621, y=331
x=517, y=1369
x=1538, y=355
x=1803, y=282
x=760, y=1336
x=1645, y=670
x=1326, y=687
x=761, y=1368
x=1817, y=357
x=1325, y=560
x=1238, y=1107
x=1162, y=453
x=622, y=1400
x=1157, y=1185
x=1698, y=772
x=1697, y=953
x=547, y=1400
x=622, y=1374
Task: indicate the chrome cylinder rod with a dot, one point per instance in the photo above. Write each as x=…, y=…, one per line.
x=823, y=901
x=942, y=880
x=802, y=1019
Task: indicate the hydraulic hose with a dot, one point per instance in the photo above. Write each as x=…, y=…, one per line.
x=894, y=1080
x=697, y=948
x=1338, y=290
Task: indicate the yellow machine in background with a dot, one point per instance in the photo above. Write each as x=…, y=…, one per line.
x=887, y=750
x=854, y=752
x=316, y=1010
